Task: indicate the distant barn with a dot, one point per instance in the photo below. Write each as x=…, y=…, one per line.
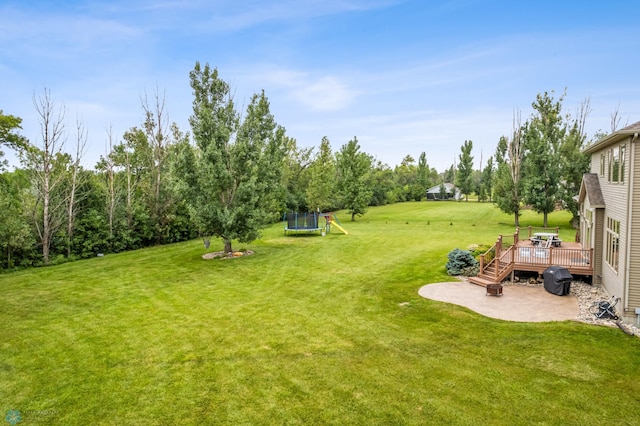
x=445, y=191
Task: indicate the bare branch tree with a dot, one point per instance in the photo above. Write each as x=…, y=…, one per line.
x=159, y=134
x=615, y=119
x=81, y=144
x=581, y=117
x=43, y=162
x=516, y=150
x=110, y=172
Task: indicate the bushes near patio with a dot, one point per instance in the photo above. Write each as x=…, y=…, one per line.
x=462, y=262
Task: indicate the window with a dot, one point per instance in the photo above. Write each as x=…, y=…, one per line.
x=616, y=164
x=623, y=150
x=612, y=247
x=602, y=157
x=588, y=224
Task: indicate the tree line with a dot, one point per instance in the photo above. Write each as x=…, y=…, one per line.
x=235, y=172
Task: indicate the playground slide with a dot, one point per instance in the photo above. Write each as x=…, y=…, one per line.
x=334, y=223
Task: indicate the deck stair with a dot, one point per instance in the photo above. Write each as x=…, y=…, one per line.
x=489, y=275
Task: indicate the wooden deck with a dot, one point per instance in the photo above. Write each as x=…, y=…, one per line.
x=521, y=255
x=527, y=257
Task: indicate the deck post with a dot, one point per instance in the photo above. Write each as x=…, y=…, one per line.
x=497, y=258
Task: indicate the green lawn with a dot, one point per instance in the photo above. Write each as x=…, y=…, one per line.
x=308, y=330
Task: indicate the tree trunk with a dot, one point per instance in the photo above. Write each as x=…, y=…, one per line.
x=46, y=232
x=516, y=219
x=353, y=217
x=71, y=211
x=227, y=246
x=545, y=215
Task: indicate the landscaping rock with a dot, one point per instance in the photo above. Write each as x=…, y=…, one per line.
x=586, y=294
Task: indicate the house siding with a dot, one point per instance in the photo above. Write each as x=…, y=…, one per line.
x=633, y=296
x=593, y=238
x=621, y=202
x=598, y=244
x=615, y=197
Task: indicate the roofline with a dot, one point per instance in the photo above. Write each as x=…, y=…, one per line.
x=611, y=139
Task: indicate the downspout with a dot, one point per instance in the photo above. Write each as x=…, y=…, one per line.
x=630, y=224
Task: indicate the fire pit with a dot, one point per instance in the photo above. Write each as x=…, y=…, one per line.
x=494, y=290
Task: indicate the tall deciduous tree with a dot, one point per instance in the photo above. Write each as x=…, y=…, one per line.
x=507, y=183
x=107, y=165
x=464, y=177
x=354, y=185
x=543, y=136
x=486, y=182
x=15, y=234
x=9, y=134
x=573, y=161
x=422, y=178
x=449, y=175
x=75, y=180
x=405, y=177
x=236, y=166
x=161, y=135
x=48, y=167
x=382, y=184
x=296, y=175
x=322, y=183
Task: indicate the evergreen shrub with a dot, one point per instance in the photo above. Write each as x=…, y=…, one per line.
x=462, y=262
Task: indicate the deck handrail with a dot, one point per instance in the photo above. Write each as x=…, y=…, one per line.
x=533, y=229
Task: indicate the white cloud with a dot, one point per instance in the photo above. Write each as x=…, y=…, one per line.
x=305, y=89
x=324, y=94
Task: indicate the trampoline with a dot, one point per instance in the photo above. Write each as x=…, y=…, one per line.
x=301, y=222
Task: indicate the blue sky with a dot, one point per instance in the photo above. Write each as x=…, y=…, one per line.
x=403, y=76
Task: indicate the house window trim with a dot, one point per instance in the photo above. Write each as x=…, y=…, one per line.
x=615, y=156
x=588, y=227
x=612, y=244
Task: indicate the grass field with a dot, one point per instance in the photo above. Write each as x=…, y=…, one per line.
x=308, y=330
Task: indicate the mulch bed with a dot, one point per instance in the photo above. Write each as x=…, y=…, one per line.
x=224, y=255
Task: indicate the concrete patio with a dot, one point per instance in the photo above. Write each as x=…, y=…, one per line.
x=517, y=303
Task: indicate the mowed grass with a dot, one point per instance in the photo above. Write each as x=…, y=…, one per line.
x=308, y=330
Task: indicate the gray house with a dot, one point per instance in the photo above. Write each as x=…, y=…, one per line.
x=610, y=216
x=449, y=192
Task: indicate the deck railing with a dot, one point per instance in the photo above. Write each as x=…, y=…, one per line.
x=571, y=258
x=533, y=229
x=487, y=257
x=506, y=253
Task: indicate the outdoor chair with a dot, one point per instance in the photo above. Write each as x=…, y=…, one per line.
x=542, y=251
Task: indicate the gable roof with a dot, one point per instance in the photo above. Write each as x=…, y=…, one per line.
x=449, y=187
x=617, y=136
x=590, y=188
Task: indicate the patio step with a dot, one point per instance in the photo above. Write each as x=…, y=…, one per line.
x=483, y=282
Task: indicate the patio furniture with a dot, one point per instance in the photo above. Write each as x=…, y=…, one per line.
x=550, y=238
